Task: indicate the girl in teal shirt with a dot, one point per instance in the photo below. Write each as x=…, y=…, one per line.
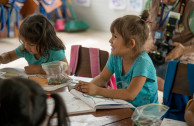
x=39, y=45
x=134, y=71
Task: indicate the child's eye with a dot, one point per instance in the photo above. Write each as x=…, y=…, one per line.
x=114, y=36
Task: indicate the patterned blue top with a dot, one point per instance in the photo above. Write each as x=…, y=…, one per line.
x=55, y=55
x=142, y=66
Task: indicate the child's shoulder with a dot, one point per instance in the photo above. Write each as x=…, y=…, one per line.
x=56, y=51
x=144, y=58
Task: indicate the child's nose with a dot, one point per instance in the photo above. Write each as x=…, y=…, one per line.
x=110, y=41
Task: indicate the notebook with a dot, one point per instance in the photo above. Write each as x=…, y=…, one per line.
x=77, y=102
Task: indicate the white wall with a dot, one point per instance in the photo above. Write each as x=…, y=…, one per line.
x=98, y=15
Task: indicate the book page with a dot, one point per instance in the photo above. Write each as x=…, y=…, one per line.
x=73, y=104
x=83, y=97
x=171, y=122
x=100, y=102
x=76, y=78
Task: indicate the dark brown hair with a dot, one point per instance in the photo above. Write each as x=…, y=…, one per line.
x=132, y=27
x=38, y=30
x=23, y=103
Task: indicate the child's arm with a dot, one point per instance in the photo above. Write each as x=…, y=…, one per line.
x=125, y=94
x=67, y=71
x=189, y=114
x=34, y=69
x=102, y=78
x=8, y=57
x=37, y=69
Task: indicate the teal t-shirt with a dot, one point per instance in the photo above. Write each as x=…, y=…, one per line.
x=142, y=66
x=55, y=55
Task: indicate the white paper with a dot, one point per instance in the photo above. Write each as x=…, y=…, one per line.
x=73, y=105
x=85, y=3
x=135, y=5
x=117, y=4
x=76, y=79
x=171, y=122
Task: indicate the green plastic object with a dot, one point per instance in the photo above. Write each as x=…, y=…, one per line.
x=75, y=26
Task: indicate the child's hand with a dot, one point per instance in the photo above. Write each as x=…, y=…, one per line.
x=33, y=69
x=88, y=88
x=78, y=87
x=176, y=52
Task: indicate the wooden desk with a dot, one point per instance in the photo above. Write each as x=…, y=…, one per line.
x=113, y=117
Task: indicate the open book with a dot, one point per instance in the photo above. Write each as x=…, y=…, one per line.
x=77, y=102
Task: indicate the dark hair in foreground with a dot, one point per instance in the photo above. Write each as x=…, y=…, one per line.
x=23, y=103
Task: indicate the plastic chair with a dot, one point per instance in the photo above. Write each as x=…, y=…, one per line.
x=89, y=62
x=178, y=88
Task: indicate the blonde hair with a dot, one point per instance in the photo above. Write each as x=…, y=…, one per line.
x=133, y=27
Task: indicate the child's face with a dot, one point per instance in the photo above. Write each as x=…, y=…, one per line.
x=30, y=47
x=117, y=43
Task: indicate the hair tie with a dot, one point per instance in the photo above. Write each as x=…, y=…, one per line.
x=48, y=95
x=145, y=21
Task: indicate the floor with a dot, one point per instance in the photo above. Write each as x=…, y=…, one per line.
x=89, y=38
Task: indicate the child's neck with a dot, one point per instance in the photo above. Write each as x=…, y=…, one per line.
x=129, y=59
x=37, y=56
x=127, y=63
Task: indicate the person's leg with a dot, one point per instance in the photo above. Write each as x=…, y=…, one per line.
x=161, y=73
x=160, y=82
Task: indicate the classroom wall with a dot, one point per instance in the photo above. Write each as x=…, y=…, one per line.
x=98, y=15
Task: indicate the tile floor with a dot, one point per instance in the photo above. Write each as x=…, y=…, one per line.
x=89, y=38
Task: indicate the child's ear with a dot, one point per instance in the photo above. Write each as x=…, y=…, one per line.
x=131, y=43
